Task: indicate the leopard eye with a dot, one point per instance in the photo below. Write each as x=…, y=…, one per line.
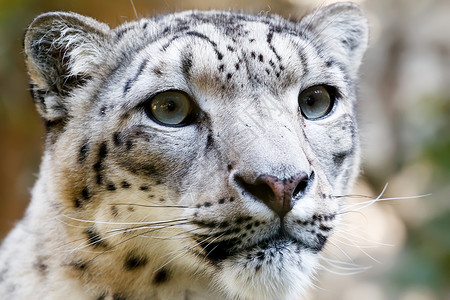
x=171, y=108
x=315, y=102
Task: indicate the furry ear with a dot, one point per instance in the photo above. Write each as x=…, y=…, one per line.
x=62, y=52
x=342, y=27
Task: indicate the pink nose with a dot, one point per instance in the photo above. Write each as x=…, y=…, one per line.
x=278, y=194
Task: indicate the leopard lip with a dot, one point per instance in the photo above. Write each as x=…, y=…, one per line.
x=222, y=250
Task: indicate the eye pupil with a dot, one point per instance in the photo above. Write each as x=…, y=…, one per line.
x=171, y=106
x=310, y=100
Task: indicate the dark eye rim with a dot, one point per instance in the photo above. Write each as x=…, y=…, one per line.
x=190, y=118
x=334, y=96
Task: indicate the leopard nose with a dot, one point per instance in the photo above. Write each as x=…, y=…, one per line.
x=278, y=194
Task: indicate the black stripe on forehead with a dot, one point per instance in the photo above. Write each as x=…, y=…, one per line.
x=197, y=35
x=133, y=79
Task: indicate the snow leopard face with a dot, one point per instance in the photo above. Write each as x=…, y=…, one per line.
x=208, y=145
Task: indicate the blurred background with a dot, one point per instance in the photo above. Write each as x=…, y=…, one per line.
x=405, y=127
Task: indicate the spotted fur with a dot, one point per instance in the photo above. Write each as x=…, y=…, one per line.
x=127, y=208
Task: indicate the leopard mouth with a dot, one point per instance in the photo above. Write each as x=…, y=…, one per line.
x=217, y=252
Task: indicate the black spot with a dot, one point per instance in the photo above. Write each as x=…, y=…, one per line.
x=83, y=152
x=236, y=66
x=102, y=111
x=329, y=63
x=77, y=203
x=229, y=167
x=99, y=178
x=229, y=48
x=338, y=158
x=221, y=68
x=157, y=71
x=209, y=142
x=253, y=54
x=221, y=201
x=116, y=139
x=144, y=188
x=260, y=255
x=125, y=185
x=320, y=243
x=161, y=277
x=119, y=297
x=239, y=220
x=325, y=228
x=85, y=194
x=261, y=58
x=102, y=296
x=41, y=266
x=129, y=145
x=207, y=204
x=78, y=265
x=103, y=151
x=229, y=75
x=94, y=238
x=114, y=211
x=224, y=224
x=134, y=261
x=98, y=166
x=111, y=187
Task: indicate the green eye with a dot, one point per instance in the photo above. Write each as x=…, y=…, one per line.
x=171, y=108
x=315, y=102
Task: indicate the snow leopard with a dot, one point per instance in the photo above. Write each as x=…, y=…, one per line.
x=193, y=155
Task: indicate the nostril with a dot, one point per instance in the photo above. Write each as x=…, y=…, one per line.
x=302, y=186
x=259, y=189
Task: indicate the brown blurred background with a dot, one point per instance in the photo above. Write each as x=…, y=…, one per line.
x=405, y=127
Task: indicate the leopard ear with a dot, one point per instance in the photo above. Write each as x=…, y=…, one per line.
x=343, y=27
x=62, y=52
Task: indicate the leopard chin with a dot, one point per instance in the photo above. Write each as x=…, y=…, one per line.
x=279, y=271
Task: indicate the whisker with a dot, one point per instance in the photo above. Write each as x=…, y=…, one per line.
x=341, y=250
x=361, y=237
x=342, y=265
x=151, y=206
x=125, y=223
x=343, y=273
x=181, y=253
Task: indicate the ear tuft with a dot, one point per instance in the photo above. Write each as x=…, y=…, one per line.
x=62, y=51
x=342, y=27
